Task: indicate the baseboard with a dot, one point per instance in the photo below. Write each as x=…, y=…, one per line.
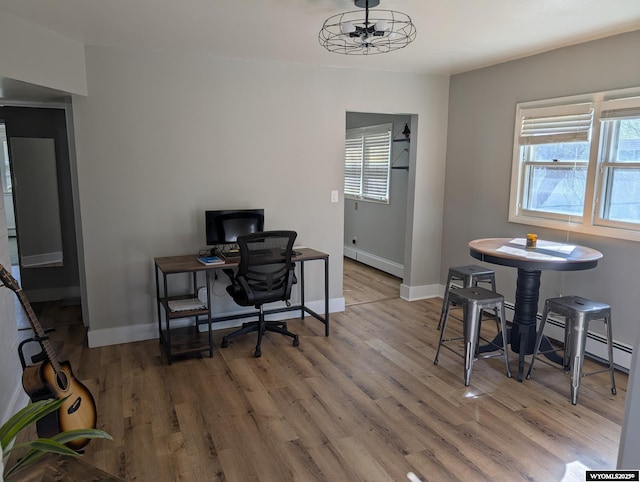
x=41, y=260
x=415, y=293
x=49, y=294
x=149, y=331
x=385, y=265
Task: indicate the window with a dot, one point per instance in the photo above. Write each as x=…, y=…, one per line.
x=578, y=163
x=619, y=189
x=367, y=163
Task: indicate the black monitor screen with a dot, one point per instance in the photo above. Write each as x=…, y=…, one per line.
x=224, y=227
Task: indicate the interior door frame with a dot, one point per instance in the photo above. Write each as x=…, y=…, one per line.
x=67, y=106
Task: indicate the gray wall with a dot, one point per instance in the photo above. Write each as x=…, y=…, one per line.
x=479, y=149
x=479, y=154
x=380, y=228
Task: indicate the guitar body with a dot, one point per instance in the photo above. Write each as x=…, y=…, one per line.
x=77, y=412
x=53, y=379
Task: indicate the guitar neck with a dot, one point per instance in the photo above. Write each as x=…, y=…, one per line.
x=37, y=329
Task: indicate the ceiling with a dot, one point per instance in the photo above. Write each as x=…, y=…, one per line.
x=453, y=35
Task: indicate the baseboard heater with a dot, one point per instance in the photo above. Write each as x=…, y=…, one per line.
x=596, y=348
x=374, y=261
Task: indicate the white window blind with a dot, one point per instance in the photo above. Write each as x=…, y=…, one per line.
x=570, y=123
x=368, y=162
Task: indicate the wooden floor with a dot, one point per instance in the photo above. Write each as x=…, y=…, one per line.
x=364, y=404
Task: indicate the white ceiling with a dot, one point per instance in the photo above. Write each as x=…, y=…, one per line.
x=453, y=35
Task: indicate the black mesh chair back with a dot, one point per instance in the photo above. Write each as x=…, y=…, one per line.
x=265, y=275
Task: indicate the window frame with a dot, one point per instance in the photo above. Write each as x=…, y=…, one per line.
x=377, y=175
x=591, y=221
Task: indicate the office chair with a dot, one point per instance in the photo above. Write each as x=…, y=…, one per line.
x=265, y=275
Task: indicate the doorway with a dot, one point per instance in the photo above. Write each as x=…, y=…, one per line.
x=375, y=232
x=36, y=139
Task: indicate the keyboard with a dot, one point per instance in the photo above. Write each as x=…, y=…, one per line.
x=232, y=255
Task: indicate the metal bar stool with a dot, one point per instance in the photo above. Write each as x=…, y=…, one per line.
x=470, y=275
x=473, y=300
x=578, y=312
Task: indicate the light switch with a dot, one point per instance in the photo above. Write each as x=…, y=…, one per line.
x=334, y=196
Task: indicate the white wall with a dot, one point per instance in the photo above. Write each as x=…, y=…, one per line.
x=29, y=53
x=163, y=137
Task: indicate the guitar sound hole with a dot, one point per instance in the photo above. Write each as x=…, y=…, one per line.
x=62, y=380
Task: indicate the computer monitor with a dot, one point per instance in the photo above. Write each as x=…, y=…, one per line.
x=224, y=227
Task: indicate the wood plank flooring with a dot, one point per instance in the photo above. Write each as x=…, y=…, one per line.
x=364, y=404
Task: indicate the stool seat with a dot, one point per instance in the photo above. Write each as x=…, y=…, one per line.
x=473, y=300
x=578, y=312
x=470, y=275
x=472, y=270
x=572, y=305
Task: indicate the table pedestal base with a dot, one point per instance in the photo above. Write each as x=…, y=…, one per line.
x=523, y=331
x=522, y=334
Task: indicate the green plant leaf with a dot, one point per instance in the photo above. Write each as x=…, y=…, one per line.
x=70, y=435
x=39, y=447
x=25, y=417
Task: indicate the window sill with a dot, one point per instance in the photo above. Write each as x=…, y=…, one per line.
x=567, y=226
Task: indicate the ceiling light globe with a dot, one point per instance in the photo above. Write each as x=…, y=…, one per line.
x=381, y=26
x=347, y=28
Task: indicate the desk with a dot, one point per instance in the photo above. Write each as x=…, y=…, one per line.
x=530, y=263
x=178, y=341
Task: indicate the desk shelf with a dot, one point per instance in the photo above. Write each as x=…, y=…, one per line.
x=181, y=340
x=175, y=314
x=186, y=340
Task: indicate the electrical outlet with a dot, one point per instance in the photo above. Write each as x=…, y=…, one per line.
x=354, y=240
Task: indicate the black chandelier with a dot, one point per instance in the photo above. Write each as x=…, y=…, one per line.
x=374, y=32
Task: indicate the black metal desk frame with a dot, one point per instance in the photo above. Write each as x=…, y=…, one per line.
x=189, y=264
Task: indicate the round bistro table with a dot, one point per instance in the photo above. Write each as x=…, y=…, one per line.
x=530, y=263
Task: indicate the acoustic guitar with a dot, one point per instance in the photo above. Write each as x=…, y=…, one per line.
x=54, y=379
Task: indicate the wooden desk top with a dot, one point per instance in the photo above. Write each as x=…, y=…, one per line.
x=189, y=262
x=547, y=255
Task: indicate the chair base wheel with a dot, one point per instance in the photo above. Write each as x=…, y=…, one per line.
x=224, y=343
x=258, y=353
x=613, y=391
x=296, y=341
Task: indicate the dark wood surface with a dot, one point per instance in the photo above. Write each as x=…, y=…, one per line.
x=189, y=262
x=365, y=404
x=58, y=468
